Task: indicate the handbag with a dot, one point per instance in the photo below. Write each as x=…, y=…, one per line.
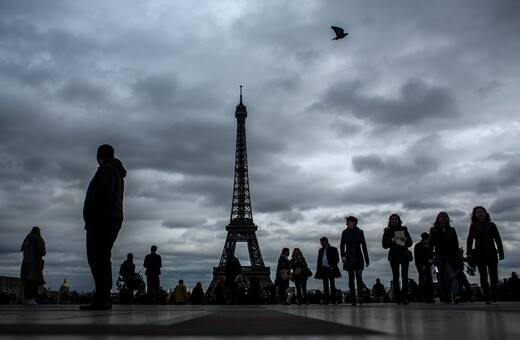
x=308, y=272
x=286, y=274
x=409, y=255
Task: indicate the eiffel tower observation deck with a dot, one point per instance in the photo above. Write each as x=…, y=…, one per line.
x=241, y=227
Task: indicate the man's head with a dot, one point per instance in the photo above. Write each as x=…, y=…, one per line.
x=324, y=241
x=104, y=152
x=130, y=256
x=154, y=248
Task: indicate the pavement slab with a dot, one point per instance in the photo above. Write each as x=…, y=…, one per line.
x=370, y=321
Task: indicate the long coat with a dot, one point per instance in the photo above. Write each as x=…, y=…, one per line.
x=283, y=263
x=445, y=244
x=396, y=253
x=353, y=244
x=32, y=264
x=485, y=235
x=299, y=266
x=333, y=259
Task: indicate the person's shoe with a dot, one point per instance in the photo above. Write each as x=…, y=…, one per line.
x=456, y=300
x=96, y=306
x=488, y=302
x=27, y=302
x=405, y=302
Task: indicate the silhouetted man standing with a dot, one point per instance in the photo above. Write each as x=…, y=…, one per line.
x=424, y=269
x=103, y=215
x=327, y=270
x=153, y=264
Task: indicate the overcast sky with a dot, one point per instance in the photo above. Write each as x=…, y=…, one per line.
x=414, y=113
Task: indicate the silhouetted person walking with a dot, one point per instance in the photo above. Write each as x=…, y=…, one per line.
x=354, y=255
x=423, y=265
x=379, y=291
x=397, y=239
x=153, y=265
x=482, y=238
x=232, y=269
x=31, y=273
x=444, y=252
x=327, y=270
x=103, y=215
x=197, y=296
x=180, y=293
x=127, y=273
x=281, y=281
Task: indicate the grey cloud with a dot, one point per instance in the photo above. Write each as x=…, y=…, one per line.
x=392, y=166
x=508, y=177
x=417, y=103
x=505, y=205
x=82, y=92
x=292, y=217
x=422, y=205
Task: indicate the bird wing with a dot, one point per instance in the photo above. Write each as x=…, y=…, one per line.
x=338, y=30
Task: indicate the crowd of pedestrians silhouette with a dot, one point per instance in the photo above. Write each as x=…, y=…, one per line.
x=438, y=259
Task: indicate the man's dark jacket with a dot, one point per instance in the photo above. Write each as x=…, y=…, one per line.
x=153, y=264
x=421, y=256
x=332, y=258
x=104, y=198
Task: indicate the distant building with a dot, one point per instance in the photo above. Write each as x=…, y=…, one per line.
x=11, y=285
x=64, y=288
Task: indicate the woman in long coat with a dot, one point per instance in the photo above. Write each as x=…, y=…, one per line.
x=31, y=273
x=283, y=282
x=397, y=239
x=299, y=267
x=354, y=255
x=482, y=238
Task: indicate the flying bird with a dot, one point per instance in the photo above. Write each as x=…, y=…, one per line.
x=340, y=34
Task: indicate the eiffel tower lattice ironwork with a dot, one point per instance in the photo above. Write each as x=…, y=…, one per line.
x=241, y=227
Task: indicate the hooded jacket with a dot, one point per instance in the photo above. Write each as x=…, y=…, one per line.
x=104, y=198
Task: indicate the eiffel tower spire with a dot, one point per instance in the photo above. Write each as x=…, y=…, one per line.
x=241, y=213
x=241, y=227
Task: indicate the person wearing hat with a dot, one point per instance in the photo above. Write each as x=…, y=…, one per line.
x=423, y=266
x=354, y=255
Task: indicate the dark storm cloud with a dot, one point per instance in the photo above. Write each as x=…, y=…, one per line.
x=422, y=205
x=508, y=176
x=416, y=103
x=412, y=161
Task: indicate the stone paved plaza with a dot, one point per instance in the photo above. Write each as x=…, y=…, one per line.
x=371, y=321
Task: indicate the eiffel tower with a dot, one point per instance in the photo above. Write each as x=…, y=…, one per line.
x=241, y=227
